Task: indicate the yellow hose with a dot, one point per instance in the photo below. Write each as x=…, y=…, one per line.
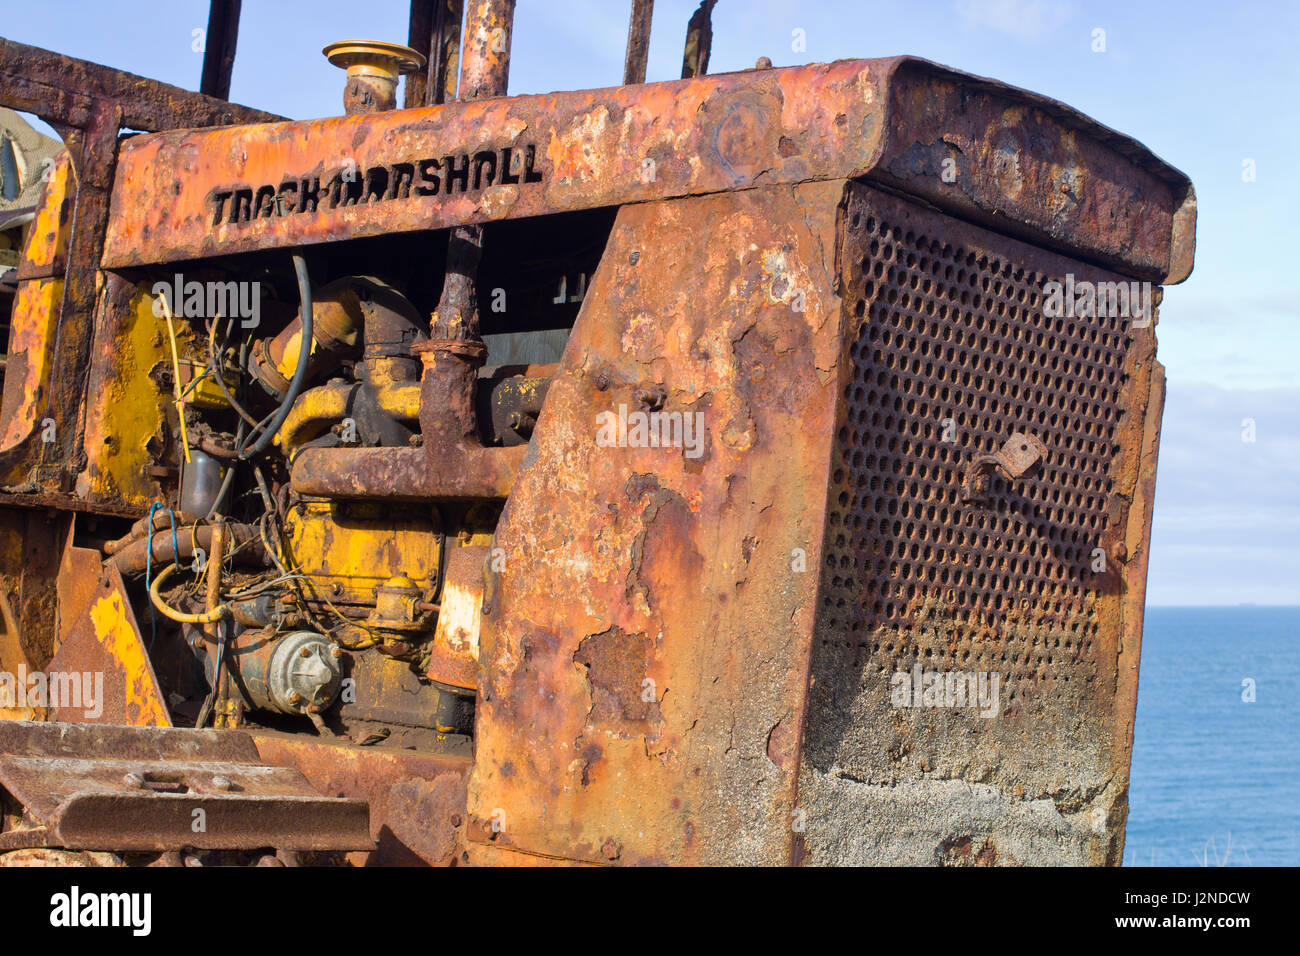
x=216, y=614
x=176, y=376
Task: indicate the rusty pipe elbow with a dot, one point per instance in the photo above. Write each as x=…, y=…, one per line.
x=346, y=313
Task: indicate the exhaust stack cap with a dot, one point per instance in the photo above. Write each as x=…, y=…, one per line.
x=373, y=68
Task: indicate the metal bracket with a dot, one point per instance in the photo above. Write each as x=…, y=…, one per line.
x=1019, y=455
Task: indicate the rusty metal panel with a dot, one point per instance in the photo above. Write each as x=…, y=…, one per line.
x=416, y=800
x=453, y=653
x=124, y=429
x=100, y=637
x=31, y=543
x=67, y=92
x=183, y=195
x=644, y=649
x=137, y=788
x=1012, y=160
x=567, y=151
x=952, y=348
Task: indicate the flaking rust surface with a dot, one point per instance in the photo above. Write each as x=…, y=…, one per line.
x=651, y=714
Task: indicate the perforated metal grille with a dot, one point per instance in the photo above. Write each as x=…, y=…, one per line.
x=952, y=355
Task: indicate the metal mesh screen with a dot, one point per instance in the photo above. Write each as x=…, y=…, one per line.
x=951, y=354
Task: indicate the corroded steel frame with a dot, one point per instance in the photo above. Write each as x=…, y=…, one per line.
x=188, y=195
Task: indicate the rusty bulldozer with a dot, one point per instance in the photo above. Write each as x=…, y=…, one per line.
x=749, y=468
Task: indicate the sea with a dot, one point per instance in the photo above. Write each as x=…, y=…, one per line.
x=1215, y=778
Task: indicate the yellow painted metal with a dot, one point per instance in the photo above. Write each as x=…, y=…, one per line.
x=50, y=230
x=13, y=661
x=319, y=408
x=114, y=629
x=351, y=548
x=36, y=307
x=131, y=412
x=202, y=391
x=31, y=346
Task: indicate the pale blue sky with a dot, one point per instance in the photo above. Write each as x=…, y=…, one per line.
x=1206, y=85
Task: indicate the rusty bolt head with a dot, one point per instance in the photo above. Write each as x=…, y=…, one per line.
x=304, y=652
x=336, y=652
x=295, y=697
x=222, y=783
x=634, y=258
x=602, y=382
x=763, y=63
x=652, y=398
x=133, y=779
x=610, y=849
x=456, y=820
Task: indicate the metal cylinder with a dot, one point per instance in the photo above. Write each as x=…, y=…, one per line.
x=293, y=674
x=373, y=68
x=344, y=312
x=201, y=479
x=485, y=56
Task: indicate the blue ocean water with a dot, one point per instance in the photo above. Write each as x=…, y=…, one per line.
x=1216, y=779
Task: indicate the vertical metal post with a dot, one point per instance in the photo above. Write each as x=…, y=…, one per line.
x=219, y=48
x=485, y=53
x=423, y=27
x=638, y=41
x=699, y=41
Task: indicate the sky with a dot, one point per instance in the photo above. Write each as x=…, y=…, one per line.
x=1210, y=87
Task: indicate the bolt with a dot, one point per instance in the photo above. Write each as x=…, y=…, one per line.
x=336, y=652
x=222, y=783
x=634, y=257
x=304, y=652
x=133, y=780
x=455, y=819
x=610, y=849
x=602, y=382
x=763, y=63
x=294, y=697
x=652, y=398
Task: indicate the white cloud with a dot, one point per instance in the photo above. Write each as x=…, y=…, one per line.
x=1027, y=20
x=1227, y=512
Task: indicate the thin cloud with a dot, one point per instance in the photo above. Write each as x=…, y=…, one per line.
x=1028, y=20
